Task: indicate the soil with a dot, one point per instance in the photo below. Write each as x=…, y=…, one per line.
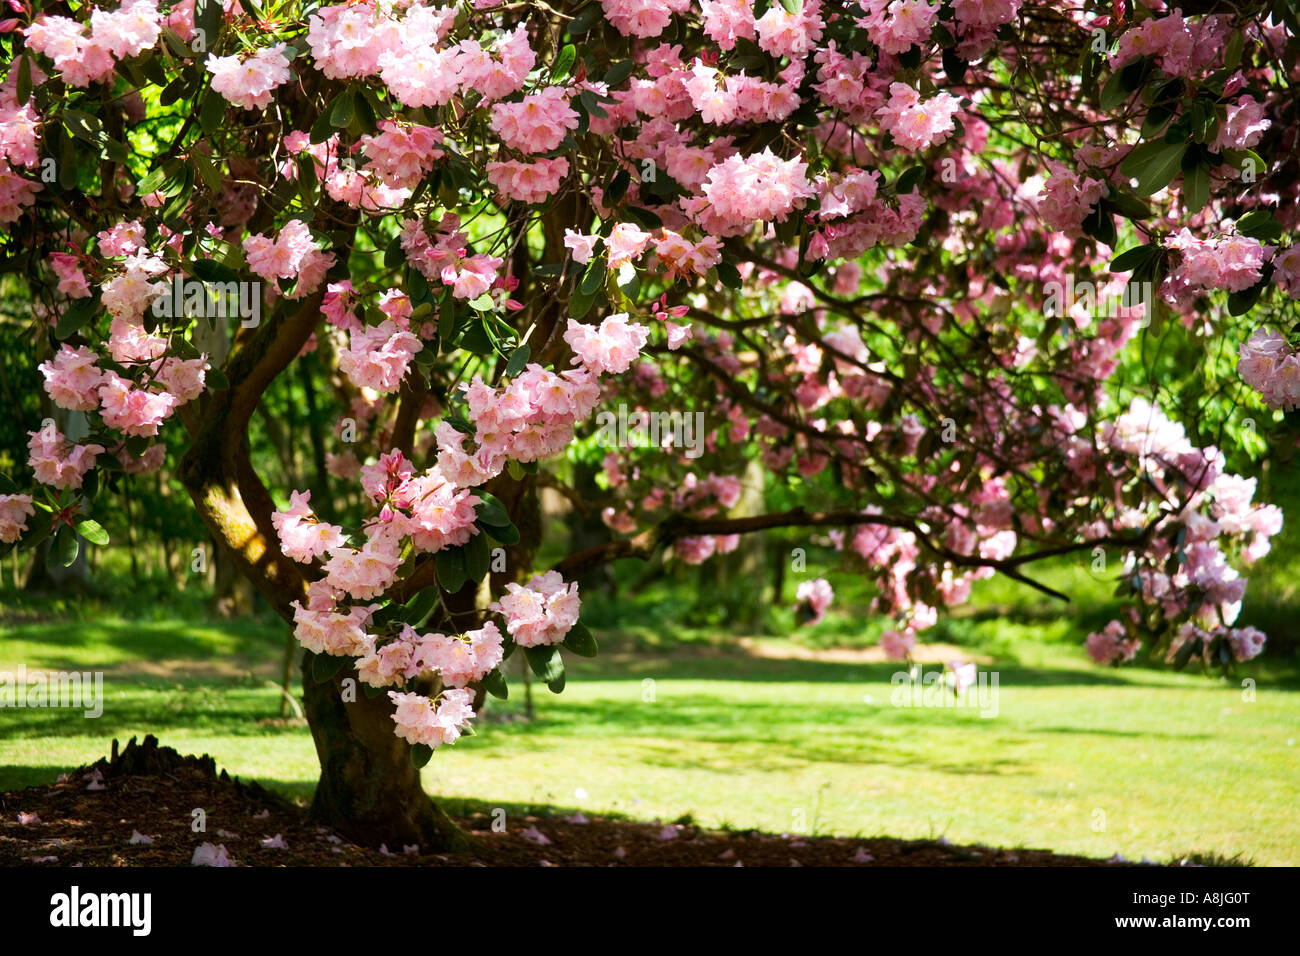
x=149, y=793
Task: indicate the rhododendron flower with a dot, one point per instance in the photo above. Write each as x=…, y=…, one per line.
x=72, y=378
x=419, y=721
x=611, y=347
x=57, y=465
x=248, y=82
x=580, y=246
x=1271, y=367
x=131, y=410
x=14, y=512
x=1112, y=644
x=378, y=356
x=817, y=595
x=536, y=124
x=292, y=253
x=897, y=644
x=302, y=536
x=529, y=183
x=743, y=190
x=540, y=612
x=916, y=124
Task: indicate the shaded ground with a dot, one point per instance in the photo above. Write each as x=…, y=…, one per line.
x=90, y=816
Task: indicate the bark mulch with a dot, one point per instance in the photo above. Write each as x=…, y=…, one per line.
x=135, y=808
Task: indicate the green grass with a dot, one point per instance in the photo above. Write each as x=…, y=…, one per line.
x=1176, y=763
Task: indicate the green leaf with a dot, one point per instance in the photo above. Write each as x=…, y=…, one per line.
x=585, y=19
x=495, y=684
x=506, y=534
x=1100, y=225
x=491, y=511
x=593, y=278
x=1130, y=207
x=617, y=188
x=1154, y=165
x=421, y=754
x=580, y=641
x=212, y=111
x=908, y=180
x=64, y=548
x=325, y=666
x=478, y=557
x=728, y=275
x=581, y=304
x=23, y=85
x=342, y=109
x=1239, y=303
x=547, y=664
x=417, y=610
x=618, y=73
x=483, y=303
x=210, y=17
x=518, y=359
x=75, y=316
x=1196, y=188
x=1114, y=93
x=1259, y=224
x=210, y=270
x=1134, y=258
x=563, y=63
x=92, y=531
x=451, y=569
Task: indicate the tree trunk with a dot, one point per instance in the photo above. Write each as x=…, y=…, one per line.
x=368, y=790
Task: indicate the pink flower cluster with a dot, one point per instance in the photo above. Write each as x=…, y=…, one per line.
x=72, y=378
x=817, y=595
x=402, y=153
x=302, y=536
x=292, y=253
x=248, y=81
x=131, y=410
x=1233, y=263
x=537, y=123
x=611, y=347
x=643, y=18
x=55, y=463
x=529, y=419
x=528, y=183
x=916, y=124
x=378, y=356
x=90, y=58
x=1068, y=198
x=896, y=27
x=1271, y=367
x=445, y=259
x=419, y=73
x=540, y=612
x=420, y=721
x=14, y=512
x=742, y=190
x=457, y=661
x=1112, y=645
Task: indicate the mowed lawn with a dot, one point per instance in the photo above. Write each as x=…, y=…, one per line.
x=1078, y=759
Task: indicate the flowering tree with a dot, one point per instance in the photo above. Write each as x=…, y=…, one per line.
x=923, y=263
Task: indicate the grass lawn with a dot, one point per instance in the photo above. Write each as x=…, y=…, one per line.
x=1138, y=761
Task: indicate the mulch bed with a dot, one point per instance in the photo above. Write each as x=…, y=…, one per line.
x=147, y=792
